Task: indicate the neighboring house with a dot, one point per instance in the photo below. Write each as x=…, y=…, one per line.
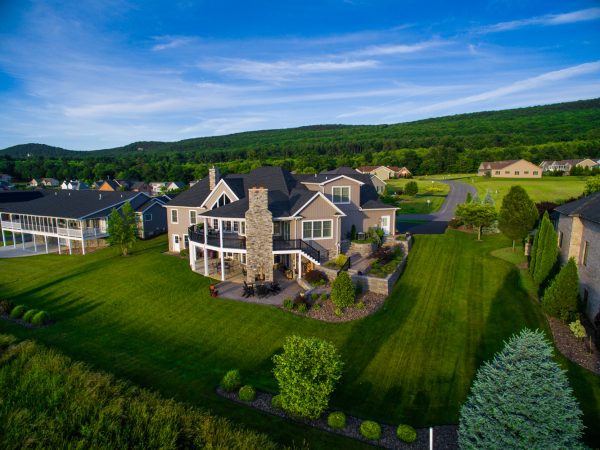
x=140, y=186
x=5, y=177
x=271, y=218
x=385, y=172
x=70, y=219
x=579, y=237
x=74, y=185
x=152, y=217
x=157, y=186
x=113, y=185
x=44, y=182
x=566, y=165
x=379, y=184
x=516, y=168
x=6, y=186
x=174, y=186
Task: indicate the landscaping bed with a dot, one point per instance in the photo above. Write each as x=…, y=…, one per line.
x=445, y=437
x=574, y=349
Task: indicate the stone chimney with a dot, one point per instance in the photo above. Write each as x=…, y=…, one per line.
x=213, y=177
x=259, y=236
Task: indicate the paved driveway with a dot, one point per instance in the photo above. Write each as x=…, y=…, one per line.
x=437, y=222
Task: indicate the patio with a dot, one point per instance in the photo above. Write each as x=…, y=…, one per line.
x=234, y=291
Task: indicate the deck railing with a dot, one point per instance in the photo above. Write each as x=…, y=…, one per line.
x=59, y=231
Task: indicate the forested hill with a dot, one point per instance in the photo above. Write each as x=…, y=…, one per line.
x=524, y=126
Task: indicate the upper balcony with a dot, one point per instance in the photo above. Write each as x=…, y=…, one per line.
x=39, y=228
x=213, y=238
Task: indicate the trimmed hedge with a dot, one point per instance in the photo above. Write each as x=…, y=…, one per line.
x=337, y=420
x=342, y=290
x=406, y=433
x=231, y=381
x=247, y=393
x=371, y=430
x=18, y=311
x=276, y=402
x=41, y=318
x=28, y=317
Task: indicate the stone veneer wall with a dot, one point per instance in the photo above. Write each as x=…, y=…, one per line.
x=213, y=177
x=259, y=235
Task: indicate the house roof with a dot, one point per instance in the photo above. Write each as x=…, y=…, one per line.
x=112, y=183
x=70, y=204
x=495, y=165
x=587, y=208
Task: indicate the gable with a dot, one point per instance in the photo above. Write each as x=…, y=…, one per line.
x=220, y=189
x=319, y=206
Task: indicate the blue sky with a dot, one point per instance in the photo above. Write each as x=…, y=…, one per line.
x=97, y=74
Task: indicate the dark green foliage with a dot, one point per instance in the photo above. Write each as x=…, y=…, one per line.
x=521, y=399
x=41, y=318
x=406, y=433
x=276, y=402
x=302, y=308
x=561, y=297
x=476, y=215
x=316, y=278
x=247, y=393
x=122, y=228
x=28, y=316
x=18, y=311
x=592, y=185
x=342, y=290
x=231, y=381
x=316, y=307
x=307, y=372
x=314, y=296
x=353, y=232
x=338, y=311
x=68, y=406
x=288, y=303
x=337, y=420
x=184, y=252
x=5, y=307
x=411, y=188
x=370, y=430
x=469, y=197
x=518, y=214
x=360, y=305
x=323, y=296
x=545, y=249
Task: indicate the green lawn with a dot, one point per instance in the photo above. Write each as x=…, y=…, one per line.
x=554, y=189
x=148, y=318
x=431, y=191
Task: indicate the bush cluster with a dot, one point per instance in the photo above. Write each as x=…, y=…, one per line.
x=370, y=430
x=28, y=316
x=276, y=402
x=317, y=307
x=316, y=278
x=247, y=393
x=342, y=290
x=406, y=433
x=41, y=318
x=337, y=420
x=231, y=381
x=341, y=260
x=18, y=311
x=338, y=312
x=561, y=297
x=288, y=303
x=302, y=308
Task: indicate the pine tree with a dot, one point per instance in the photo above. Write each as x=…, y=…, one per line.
x=518, y=214
x=547, y=251
x=489, y=200
x=560, y=298
x=469, y=197
x=476, y=199
x=122, y=228
x=521, y=399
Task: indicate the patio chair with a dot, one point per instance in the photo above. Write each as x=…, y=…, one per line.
x=261, y=290
x=274, y=288
x=248, y=290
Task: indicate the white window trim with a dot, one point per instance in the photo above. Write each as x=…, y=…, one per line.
x=280, y=229
x=195, y=222
x=146, y=217
x=176, y=214
x=322, y=228
x=349, y=195
x=176, y=239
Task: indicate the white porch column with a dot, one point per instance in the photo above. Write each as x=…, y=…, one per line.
x=46, y=243
x=14, y=236
x=3, y=238
x=205, y=250
x=299, y=265
x=221, y=252
x=34, y=237
x=58, y=240
x=83, y=246
x=69, y=238
x=192, y=251
x=23, y=239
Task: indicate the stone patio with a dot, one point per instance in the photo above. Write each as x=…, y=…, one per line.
x=233, y=291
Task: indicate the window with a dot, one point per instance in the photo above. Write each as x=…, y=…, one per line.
x=243, y=228
x=192, y=217
x=173, y=216
x=147, y=217
x=227, y=226
x=535, y=172
x=516, y=172
x=341, y=194
x=236, y=227
x=243, y=258
x=186, y=241
x=221, y=201
x=586, y=244
x=277, y=228
x=176, y=239
x=526, y=172
x=316, y=229
x=497, y=172
x=507, y=172
x=560, y=239
x=216, y=224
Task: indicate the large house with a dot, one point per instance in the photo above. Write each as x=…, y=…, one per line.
x=579, y=237
x=72, y=220
x=566, y=165
x=385, y=172
x=515, y=168
x=269, y=218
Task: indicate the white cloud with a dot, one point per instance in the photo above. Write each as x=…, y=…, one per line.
x=582, y=15
x=169, y=42
x=395, y=49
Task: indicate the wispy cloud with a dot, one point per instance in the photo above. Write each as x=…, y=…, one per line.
x=169, y=42
x=395, y=49
x=582, y=15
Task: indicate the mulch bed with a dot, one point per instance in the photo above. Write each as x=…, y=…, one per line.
x=444, y=437
x=576, y=350
x=23, y=323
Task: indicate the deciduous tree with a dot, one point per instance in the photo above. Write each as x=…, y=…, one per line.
x=518, y=214
x=122, y=228
x=592, y=185
x=477, y=215
x=411, y=188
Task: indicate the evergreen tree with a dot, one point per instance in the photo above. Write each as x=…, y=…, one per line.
x=518, y=214
x=521, y=399
x=469, y=198
x=546, y=252
x=560, y=298
x=411, y=188
x=122, y=228
x=476, y=199
x=489, y=200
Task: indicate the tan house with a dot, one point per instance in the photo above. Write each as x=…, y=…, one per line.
x=44, y=182
x=516, y=168
x=268, y=219
x=566, y=165
x=578, y=229
x=385, y=172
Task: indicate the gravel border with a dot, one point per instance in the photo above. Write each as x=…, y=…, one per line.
x=444, y=437
x=576, y=350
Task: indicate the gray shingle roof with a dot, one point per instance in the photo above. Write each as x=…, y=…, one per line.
x=587, y=208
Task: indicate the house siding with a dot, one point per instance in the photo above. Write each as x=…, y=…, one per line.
x=319, y=209
x=157, y=225
x=514, y=170
x=180, y=228
x=214, y=195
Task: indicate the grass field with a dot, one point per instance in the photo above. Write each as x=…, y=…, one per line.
x=431, y=191
x=554, y=189
x=149, y=319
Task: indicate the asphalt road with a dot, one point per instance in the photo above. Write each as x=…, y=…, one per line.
x=438, y=221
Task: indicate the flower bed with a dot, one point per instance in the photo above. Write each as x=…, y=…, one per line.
x=386, y=261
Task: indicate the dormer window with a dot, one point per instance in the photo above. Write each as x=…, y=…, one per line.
x=341, y=194
x=221, y=201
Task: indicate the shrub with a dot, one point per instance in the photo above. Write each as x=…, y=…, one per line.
x=337, y=420
x=317, y=307
x=323, y=297
x=561, y=297
x=307, y=372
x=41, y=318
x=411, y=188
x=18, y=311
x=28, y=316
x=316, y=278
x=360, y=305
x=353, y=232
x=338, y=312
x=314, y=297
x=302, y=308
x=231, y=380
x=184, y=252
x=577, y=329
x=247, y=393
x=342, y=290
x=544, y=251
x=455, y=223
x=525, y=391
x=341, y=260
x=276, y=402
x=371, y=430
x=406, y=433
x=288, y=303
x=5, y=307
